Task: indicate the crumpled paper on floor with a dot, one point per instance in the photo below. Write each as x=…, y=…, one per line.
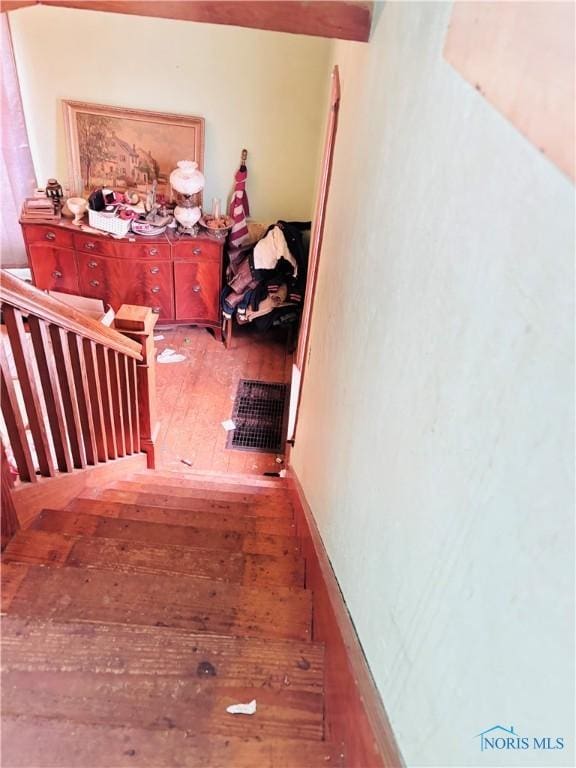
x=242, y=709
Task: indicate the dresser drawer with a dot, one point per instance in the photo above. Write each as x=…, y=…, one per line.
x=93, y=276
x=197, y=291
x=118, y=281
x=94, y=244
x=43, y=233
x=151, y=286
x=54, y=269
x=125, y=249
x=140, y=250
x=198, y=250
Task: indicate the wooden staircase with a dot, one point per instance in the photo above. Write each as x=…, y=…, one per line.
x=136, y=615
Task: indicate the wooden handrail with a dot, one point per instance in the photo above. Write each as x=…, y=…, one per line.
x=30, y=300
x=74, y=393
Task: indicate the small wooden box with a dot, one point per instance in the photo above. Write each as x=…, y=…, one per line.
x=133, y=318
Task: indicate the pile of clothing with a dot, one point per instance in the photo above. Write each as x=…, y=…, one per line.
x=266, y=281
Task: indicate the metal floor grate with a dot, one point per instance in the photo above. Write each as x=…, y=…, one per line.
x=260, y=415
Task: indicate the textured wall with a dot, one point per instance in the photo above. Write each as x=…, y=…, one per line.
x=260, y=90
x=435, y=439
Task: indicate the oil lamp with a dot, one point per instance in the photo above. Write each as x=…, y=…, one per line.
x=187, y=180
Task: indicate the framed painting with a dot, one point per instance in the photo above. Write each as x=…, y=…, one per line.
x=128, y=148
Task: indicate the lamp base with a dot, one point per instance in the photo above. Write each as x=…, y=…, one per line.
x=190, y=231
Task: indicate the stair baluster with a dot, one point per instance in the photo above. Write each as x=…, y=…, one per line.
x=74, y=393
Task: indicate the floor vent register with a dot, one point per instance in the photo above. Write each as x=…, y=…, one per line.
x=260, y=415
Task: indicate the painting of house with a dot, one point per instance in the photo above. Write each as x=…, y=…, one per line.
x=124, y=149
x=122, y=166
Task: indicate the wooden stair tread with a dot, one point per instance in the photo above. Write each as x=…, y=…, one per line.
x=133, y=618
x=30, y=644
x=193, y=503
x=155, y=498
x=200, y=605
x=194, y=499
x=162, y=701
x=43, y=743
x=255, y=483
x=217, y=485
x=174, y=515
x=59, y=549
x=162, y=533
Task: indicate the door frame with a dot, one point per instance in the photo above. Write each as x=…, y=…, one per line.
x=303, y=348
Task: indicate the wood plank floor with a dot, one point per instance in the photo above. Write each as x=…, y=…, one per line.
x=196, y=395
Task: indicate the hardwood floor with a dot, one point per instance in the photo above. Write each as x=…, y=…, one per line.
x=195, y=396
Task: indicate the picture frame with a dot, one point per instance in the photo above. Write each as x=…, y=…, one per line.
x=127, y=149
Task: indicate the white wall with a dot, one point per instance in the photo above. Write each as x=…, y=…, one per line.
x=259, y=90
x=435, y=439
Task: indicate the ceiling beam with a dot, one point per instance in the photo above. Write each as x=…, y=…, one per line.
x=321, y=18
x=12, y=5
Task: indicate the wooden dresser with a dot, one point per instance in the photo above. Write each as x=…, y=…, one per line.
x=179, y=279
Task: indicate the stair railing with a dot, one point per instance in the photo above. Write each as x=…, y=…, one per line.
x=74, y=392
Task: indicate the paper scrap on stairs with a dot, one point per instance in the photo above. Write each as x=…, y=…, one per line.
x=242, y=709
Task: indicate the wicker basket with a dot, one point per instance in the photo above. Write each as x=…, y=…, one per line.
x=108, y=223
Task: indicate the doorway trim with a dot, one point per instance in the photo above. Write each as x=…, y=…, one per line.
x=302, y=351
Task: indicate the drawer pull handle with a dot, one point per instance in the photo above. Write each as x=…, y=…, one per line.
x=197, y=288
x=92, y=264
x=153, y=251
x=90, y=246
x=50, y=236
x=94, y=283
x=154, y=270
x=57, y=274
x=196, y=251
x=156, y=289
x=156, y=310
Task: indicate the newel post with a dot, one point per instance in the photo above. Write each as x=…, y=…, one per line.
x=138, y=323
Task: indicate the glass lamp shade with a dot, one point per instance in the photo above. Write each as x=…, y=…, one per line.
x=187, y=179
